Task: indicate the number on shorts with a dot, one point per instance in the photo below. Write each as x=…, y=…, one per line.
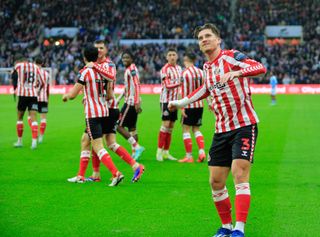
x=245, y=144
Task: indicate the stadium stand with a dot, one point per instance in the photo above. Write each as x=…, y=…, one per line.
x=242, y=25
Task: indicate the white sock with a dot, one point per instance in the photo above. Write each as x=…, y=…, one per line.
x=159, y=151
x=201, y=151
x=239, y=226
x=189, y=155
x=19, y=139
x=165, y=152
x=227, y=226
x=34, y=141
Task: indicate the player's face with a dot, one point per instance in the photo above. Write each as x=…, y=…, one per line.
x=186, y=61
x=172, y=57
x=126, y=60
x=208, y=41
x=102, y=49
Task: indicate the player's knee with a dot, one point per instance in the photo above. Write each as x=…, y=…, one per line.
x=216, y=184
x=85, y=141
x=114, y=146
x=240, y=174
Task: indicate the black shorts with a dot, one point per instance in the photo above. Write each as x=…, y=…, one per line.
x=43, y=107
x=25, y=102
x=128, y=116
x=237, y=144
x=111, y=121
x=166, y=114
x=194, y=117
x=96, y=127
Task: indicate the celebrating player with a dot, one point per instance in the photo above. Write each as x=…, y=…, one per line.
x=106, y=68
x=192, y=78
x=227, y=80
x=170, y=79
x=29, y=80
x=96, y=112
x=131, y=107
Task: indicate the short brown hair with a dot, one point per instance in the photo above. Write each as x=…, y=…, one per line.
x=209, y=26
x=100, y=42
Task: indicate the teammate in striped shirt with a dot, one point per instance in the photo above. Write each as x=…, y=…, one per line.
x=192, y=78
x=170, y=75
x=227, y=80
x=132, y=105
x=107, y=70
x=96, y=112
x=28, y=84
x=43, y=97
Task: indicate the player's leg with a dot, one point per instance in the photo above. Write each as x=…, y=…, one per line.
x=21, y=108
x=95, y=127
x=166, y=154
x=33, y=109
x=128, y=116
x=242, y=152
x=162, y=138
x=124, y=155
x=43, y=110
x=187, y=144
x=219, y=161
x=19, y=128
x=200, y=142
x=34, y=128
x=220, y=196
x=137, y=150
x=84, y=160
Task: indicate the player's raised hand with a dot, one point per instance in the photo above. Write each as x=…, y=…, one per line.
x=229, y=76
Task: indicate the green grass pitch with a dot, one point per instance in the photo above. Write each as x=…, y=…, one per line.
x=172, y=199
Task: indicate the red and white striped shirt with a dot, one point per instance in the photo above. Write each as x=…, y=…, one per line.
x=231, y=101
x=192, y=78
x=170, y=80
x=44, y=90
x=107, y=69
x=132, y=85
x=94, y=93
x=29, y=79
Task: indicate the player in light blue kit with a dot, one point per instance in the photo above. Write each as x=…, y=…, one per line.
x=273, y=83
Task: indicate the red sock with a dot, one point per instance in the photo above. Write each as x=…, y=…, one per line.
x=34, y=127
x=199, y=139
x=242, y=201
x=95, y=162
x=84, y=160
x=29, y=122
x=222, y=202
x=162, y=137
x=122, y=153
x=167, y=140
x=107, y=161
x=187, y=142
x=43, y=126
x=19, y=128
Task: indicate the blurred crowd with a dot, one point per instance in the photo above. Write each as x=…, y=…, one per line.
x=242, y=25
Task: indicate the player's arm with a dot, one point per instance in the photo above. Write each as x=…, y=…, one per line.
x=76, y=88
x=136, y=83
x=199, y=94
x=14, y=79
x=108, y=73
x=73, y=92
x=119, y=98
x=169, y=85
x=244, y=67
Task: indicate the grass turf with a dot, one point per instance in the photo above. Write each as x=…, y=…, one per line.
x=172, y=199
